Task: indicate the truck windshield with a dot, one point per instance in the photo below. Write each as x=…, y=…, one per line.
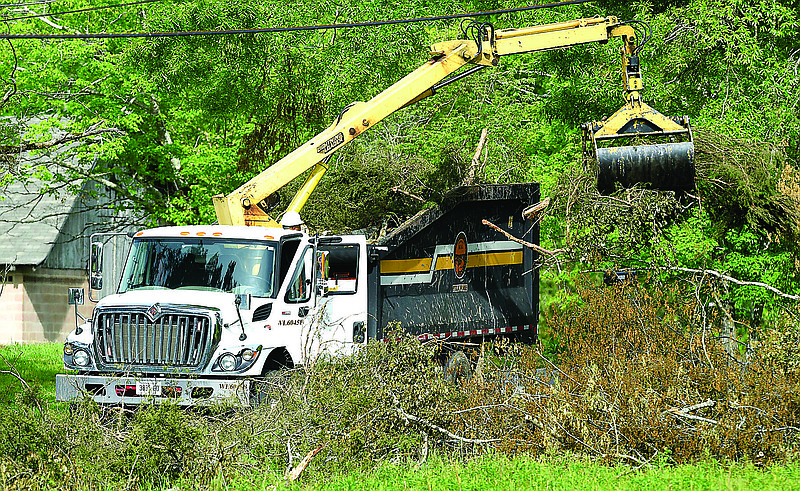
x=200, y=264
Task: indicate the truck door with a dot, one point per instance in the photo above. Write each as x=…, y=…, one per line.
x=296, y=301
x=342, y=307
x=299, y=294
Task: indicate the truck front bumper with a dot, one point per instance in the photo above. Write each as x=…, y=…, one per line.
x=138, y=390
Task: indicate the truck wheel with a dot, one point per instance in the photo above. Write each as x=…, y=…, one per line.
x=267, y=389
x=457, y=368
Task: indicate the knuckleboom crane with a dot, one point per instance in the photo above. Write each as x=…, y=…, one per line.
x=203, y=313
x=665, y=165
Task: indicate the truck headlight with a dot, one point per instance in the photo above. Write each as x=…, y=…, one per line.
x=247, y=354
x=68, y=349
x=81, y=357
x=227, y=362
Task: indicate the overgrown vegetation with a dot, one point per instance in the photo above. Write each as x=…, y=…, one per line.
x=642, y=376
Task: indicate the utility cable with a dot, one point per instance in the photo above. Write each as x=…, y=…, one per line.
x=88, y=9
x=10, y=5
x=288, y=29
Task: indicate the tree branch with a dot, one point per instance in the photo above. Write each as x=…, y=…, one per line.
x=92, y=131
x=537, y=248
x=12, y=81
x=13, y=372
x=476, y=165
x=733, y=280
x=535, y=209
x=396, y=189
x=410, y=417
x=684, y=412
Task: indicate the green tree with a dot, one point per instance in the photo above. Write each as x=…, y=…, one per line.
x=169, y=122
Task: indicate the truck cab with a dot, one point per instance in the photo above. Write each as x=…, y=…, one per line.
x=202, y=310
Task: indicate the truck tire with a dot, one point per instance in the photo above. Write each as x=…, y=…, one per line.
x=457, y=368
x=268, y=388
x=274, y=378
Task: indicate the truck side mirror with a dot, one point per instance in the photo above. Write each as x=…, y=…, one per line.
x=96, y=266
x=322, y=273
x=75, y=296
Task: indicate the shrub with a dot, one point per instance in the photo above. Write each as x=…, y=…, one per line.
x=643, y=372
x=642, y=376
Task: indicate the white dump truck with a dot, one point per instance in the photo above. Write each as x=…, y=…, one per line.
x=201, y=313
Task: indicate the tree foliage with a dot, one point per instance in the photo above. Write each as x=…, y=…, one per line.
x=168, y=122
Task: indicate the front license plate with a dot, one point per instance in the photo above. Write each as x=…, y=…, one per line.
x=146, y=388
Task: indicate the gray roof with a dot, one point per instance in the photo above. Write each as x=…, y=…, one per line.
x=30, y=220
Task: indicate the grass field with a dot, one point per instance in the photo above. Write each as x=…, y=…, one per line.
x=522, y=473
x=554, y=473
x=37, y=364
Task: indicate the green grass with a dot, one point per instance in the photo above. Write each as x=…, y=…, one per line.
x=524, y=473
x=37, y=364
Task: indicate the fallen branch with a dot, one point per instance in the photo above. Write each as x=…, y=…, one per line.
x=14, y=374
x=641, y=462
x=13, y=370
x=397, y=189
x=634, y=469
x=692, y=416
x=544, y=358
x=295, y=473
x=410, y=417
x=535, y=209
x=418, y=420
x=535, y=247
x=476, y=164
x=578, y=440
x=685, y=412
x=708, y=403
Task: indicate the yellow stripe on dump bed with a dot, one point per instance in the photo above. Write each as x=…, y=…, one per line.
x=392, y=266
x=474, y=260
x=480, y=260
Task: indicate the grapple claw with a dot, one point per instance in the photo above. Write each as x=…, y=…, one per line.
x=666, y=164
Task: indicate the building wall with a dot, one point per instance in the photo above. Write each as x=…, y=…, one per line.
x=34, y=305
x=11, y=305
x=88, y=214
x=33, y=301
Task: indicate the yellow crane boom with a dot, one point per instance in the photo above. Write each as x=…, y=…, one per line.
x=241, y=206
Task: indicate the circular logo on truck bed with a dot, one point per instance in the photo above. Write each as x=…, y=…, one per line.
x=460, y=255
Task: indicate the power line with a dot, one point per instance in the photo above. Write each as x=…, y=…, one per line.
x=7, y=5
x=88, y=9
x=286, y=29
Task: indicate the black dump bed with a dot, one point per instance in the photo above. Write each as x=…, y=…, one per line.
x=445, y=274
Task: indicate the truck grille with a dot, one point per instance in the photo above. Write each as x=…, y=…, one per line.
x=173, y=340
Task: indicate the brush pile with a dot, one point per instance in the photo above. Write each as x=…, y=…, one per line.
x=748, y=183
x=636, y=376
